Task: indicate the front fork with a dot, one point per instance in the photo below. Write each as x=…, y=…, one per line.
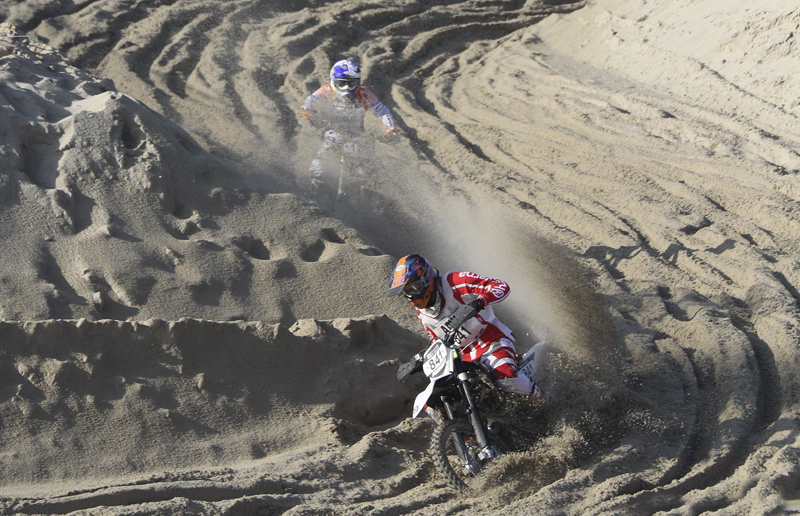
x=472, y=408
x=487, y=451
x=462, y=450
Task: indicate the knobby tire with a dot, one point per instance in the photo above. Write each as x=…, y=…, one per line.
x=444, y=455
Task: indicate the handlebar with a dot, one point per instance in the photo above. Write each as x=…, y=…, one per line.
x=463, y=314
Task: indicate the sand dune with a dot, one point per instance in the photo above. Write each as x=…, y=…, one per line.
x=629, y=168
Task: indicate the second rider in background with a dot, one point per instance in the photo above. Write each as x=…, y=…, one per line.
x=342, y=104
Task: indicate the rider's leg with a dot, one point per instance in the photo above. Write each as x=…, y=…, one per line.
x=501, y=362
x=316, y=168
x=521, y=384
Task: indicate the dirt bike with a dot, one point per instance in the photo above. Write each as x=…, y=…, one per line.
x=345, y=164
x=462, y=443
x=355, y=155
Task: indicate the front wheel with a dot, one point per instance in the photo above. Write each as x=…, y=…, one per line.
x=455, y=450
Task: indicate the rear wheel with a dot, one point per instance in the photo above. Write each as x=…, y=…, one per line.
x=459, y=464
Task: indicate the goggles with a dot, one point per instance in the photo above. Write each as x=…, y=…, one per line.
x=346, y=84
x=414, y=289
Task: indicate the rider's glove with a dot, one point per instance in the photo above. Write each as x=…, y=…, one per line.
x=409, y=368
x=479, y=304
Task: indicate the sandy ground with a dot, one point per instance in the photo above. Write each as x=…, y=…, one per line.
x=184, y=331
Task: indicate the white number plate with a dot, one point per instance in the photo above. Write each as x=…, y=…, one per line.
x=435, y=360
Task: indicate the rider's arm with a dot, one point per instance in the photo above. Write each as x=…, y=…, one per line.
x=306, y=108
x=313, y=101
x=380, y=110
x=468, y=286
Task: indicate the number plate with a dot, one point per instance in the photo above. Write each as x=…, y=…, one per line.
x=436, y=359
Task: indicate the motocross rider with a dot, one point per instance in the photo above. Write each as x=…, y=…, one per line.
x=343, y=103
x=483, y=338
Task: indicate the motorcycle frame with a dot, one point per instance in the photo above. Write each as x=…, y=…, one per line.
x=348, y=160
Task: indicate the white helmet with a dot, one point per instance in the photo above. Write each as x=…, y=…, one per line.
x=346, y=78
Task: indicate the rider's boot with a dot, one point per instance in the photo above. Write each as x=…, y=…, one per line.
x=536, y=393
x=522, y=384
x=435, y=415
x=490, y=452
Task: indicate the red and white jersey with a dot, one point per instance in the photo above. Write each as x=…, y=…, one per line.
x=347, y=114
x=479, y=333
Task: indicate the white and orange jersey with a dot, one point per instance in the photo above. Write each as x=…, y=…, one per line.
x=347, y=114
x=477, y=335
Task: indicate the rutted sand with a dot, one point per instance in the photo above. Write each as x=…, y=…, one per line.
x=630, y=169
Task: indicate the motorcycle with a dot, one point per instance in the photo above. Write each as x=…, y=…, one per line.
x=344, y=166
x=463, y=442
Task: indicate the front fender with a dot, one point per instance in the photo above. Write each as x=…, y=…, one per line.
x=422, y=399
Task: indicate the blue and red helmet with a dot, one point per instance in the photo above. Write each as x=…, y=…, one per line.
x=415, y=278
x=346, y=78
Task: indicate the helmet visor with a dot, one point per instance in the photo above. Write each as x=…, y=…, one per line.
x=346, y=84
